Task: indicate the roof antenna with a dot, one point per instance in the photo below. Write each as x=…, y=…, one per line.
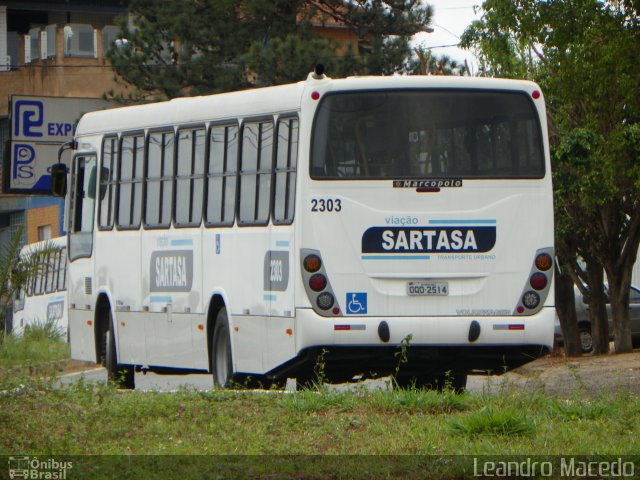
x=318, y=72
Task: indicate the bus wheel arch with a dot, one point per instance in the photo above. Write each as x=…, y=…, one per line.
x=101, y=326
x=106, y=352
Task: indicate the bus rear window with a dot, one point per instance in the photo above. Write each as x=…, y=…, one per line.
x=426, y=134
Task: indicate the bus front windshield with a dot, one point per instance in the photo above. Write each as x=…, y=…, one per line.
x=466, y=134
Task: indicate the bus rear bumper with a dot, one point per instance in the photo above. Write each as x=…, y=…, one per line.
x=356, y=346
x=312, y=330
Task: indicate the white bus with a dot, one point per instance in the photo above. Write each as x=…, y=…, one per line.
x=44, y=297
x=250, y=233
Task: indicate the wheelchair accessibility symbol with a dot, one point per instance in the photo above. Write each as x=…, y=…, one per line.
x=356, y=303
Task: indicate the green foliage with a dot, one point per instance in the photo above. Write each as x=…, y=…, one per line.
x=413, y=400
x=589, y=70
x=16, y=271
x=492, y=421
x=177, y=48
x=428, y=64
x=86, y=419
x=584, y=409
x=40, y=343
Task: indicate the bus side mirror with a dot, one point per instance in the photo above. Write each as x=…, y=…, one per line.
x=59, y=179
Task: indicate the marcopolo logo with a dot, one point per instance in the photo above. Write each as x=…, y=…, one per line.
x=171, y=271
x=40, y=469
x=433, y=183
x=428, y=239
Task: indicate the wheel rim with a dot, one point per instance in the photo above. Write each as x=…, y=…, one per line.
x=586, y=341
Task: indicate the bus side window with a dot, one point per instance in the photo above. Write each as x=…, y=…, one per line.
x=255, y=173
x=285, y=172
x=107, y=182
x=82, y=208
x=222, y=175
x=62, y=272
x=190, y=177
x=130, y=182
x=160, y=168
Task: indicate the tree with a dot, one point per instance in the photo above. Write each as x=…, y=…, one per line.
x=589, y=69
x=428, y=64
x=192, y=47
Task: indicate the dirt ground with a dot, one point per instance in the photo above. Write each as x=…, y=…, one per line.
x=566, y=377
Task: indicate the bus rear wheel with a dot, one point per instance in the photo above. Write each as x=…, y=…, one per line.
x=122, y=375
x=221, y=359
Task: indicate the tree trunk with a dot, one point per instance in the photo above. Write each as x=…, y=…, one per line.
x=619, y=298
x=598, y=309
x=566, y=309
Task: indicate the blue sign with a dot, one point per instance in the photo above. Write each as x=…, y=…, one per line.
x=356, y=303
x=39, y=125
x=429, y=239
x=28, y=118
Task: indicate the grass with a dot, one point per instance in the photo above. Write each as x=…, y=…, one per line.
x=407, y=433
x=377, y=433
x=40, y=343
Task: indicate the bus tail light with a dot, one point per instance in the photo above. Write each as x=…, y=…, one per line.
x=317, y=285
x=312, y=263
x=538, y=284
x=318, y=282
x=538, y=281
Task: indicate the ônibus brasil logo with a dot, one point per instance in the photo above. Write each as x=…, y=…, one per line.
x=38, y=469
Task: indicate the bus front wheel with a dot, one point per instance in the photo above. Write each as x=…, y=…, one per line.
x=122, y=375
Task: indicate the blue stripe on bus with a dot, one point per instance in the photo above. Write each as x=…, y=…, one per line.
x=282, y=243
x=270, y=298
x=179, y=242
x=461, y=222
x=395, y=257
x=161, y=299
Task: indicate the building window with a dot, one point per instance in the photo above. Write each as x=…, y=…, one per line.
x=44, y=232
x=80, y=41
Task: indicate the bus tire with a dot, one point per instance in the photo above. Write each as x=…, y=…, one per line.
x=221, y=359
x=122, y=375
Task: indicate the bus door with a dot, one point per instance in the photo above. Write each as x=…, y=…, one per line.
x=280, y=259
x=82, y=196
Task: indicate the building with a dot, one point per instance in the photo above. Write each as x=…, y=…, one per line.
x=53, y=48
x=56, y=48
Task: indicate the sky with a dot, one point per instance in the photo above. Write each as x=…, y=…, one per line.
x=450, y=19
